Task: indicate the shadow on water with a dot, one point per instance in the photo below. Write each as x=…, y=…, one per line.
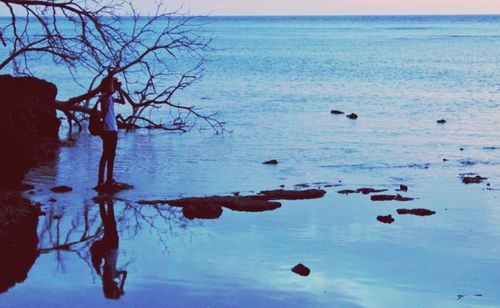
x=18, y=240
x=104, y=253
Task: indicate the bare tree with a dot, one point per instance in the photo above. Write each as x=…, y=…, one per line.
x=154, y=56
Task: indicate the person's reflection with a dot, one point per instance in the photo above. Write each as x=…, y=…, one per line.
x=107, y=249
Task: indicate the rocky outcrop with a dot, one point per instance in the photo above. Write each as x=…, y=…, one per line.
x=18, y=239
x=28, y=126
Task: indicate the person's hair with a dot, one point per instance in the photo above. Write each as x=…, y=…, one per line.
x=106, y=83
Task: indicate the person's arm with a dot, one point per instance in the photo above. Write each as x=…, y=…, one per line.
x=119, y=100
x=124, y=95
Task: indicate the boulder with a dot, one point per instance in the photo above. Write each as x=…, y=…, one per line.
x=301, y=270
x=386, y=219
x=28, y=126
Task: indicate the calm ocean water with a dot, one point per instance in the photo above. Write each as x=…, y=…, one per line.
x=274, y=81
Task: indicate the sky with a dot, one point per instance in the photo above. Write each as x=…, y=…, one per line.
x=329, y=7
x=322, y=7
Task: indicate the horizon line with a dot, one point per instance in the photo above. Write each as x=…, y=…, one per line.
x=315, y=15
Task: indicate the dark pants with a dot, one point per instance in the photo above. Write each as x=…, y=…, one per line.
x=109, y=140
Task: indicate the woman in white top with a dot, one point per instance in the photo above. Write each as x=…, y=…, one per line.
x=110, y=134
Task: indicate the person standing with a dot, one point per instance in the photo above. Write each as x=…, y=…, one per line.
x=109, y=135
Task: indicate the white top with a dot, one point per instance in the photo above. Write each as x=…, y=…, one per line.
x=109, y=117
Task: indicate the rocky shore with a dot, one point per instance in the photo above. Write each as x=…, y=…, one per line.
x=28, y=126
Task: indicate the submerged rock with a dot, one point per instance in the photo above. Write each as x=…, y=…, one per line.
x=347, y=192
x=403, y=188
x=472, y=179
x=281, y=194
x=417, y=212
x=235, y=203
x=112, y=188
x=336, y=112
x=352, y=116
x=207, y=211
x=366, y=191
x=252, y=203
x=386, y=219
x=61, y=189
x=271, y=162
x=397, y=197
x=301, y=270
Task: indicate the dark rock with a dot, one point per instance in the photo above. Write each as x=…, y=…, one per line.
x=442, y=121
x=417, y=212
x=461, y=149
x=113, y=188
x=271, y=162
x=403, y=188
x=347, y=192
x=61, y=189
x=366, y=191
x=235, y=203
x=473, y=179
x=57, y=217
x=25, y=187
x=446, y=159
x=28, y=126
x=352, y=116
x=301, y=270
x=281, y=194
x=336, y=112
x=397, y=197
x=386, y=219
x=207, y=211
x=252, y=203
x=52, y=200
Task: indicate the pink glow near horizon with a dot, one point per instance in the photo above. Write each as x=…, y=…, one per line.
x=329, y=7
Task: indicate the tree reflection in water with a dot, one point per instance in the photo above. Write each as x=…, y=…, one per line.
x=93, y=234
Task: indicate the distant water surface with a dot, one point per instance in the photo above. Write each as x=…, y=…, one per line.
x=274, y=81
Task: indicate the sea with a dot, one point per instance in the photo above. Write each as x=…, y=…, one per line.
x=274, y=82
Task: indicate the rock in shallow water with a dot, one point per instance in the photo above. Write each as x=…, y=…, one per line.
x=352, y=116
x=417, y=212
x=301, y=270
x=336, y=112
x=207, y=211
x=271, y=162
x=113, y=188
x=61, y=189
x=473, y=179
x=397, y=197
x=385, y=219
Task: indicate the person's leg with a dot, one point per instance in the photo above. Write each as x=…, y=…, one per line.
x=113, y=140
x=102, y=162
